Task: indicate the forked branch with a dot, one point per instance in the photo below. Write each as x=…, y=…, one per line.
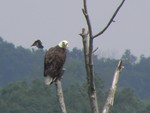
x=87, y=39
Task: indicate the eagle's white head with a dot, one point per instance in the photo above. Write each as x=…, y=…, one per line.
x=63, y=44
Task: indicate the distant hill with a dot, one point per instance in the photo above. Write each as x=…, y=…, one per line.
x=18, y=63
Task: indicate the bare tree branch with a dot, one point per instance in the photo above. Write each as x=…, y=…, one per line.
x=87, y=40
x=111, y=95
x=89, y=63
x=60, y=93
x=85, y=12
x=110, y=21
x=95, y=50
x=84, y=36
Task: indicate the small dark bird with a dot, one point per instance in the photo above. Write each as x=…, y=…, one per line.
x=38, y=44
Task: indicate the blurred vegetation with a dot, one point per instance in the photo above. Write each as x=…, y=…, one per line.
x=22, y=89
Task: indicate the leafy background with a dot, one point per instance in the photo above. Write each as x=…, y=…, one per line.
x=22, y=89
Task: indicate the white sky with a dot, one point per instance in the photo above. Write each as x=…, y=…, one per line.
x=24, y=21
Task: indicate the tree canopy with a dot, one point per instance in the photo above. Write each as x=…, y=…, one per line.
x=22, y=88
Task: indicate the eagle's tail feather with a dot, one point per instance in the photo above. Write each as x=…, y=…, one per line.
x=48, y=80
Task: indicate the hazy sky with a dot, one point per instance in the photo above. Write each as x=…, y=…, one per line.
x=24, y=21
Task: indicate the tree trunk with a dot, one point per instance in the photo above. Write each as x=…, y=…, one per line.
x=60, y=94
x=90, y=73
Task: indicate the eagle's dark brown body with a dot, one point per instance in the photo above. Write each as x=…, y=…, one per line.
x=53, y=63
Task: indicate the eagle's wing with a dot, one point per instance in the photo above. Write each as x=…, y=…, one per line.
x=49, y=58
x=52, y=65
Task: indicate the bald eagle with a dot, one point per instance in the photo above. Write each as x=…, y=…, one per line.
x=54, y=61
x=38, y=44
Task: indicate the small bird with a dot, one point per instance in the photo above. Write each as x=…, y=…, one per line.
x=38, y=44
x=54, y=61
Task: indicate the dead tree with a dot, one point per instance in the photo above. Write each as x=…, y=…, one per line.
x=59, y=92
x=111, y=95
x=87, y=40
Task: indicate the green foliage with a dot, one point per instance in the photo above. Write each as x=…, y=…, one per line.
x=32, y=96
x=147, y=109
x=128, y=58
x=18, y=63
x=127, y=102
x=21, y=97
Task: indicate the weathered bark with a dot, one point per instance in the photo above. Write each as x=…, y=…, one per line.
x=89, y=62
x=111, y=95
x=60, y=94
x=87, y=40
x=90, y=73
